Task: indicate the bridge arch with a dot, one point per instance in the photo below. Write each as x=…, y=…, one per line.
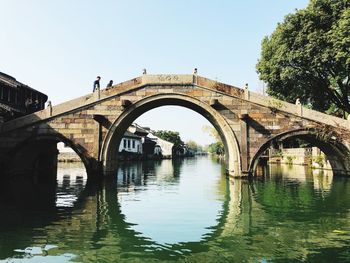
x=109, y=151
x=25, y=151
x=335, y=150
x=31, y=170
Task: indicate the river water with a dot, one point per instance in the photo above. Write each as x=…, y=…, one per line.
x=184, y=211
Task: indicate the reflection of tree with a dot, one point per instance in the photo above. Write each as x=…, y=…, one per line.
x=177, y=164
x=297, y=200
x=297, y=218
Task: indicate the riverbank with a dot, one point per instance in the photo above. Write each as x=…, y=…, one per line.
x=68, y=158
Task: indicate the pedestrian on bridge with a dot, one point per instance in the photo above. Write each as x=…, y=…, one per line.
x=97, y=84
x=109, y=85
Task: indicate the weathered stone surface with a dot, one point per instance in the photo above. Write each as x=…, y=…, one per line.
x=265, y=119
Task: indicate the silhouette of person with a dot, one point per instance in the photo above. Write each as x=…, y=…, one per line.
x=97, y=84
x=110, y=84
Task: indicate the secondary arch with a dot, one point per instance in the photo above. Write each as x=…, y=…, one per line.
x=337, y=153
x=27, y=150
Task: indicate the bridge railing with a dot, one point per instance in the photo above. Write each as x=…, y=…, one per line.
x=297, y=110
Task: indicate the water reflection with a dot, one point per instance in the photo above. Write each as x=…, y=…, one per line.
x=71, y=180
x=188, y=204
x=277, y=218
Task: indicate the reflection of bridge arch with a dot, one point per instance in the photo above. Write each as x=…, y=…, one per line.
x=232, y=221
x=137, y=242
x=247, y=230
x=336, y=152
x=109, y=152
x=243, y=220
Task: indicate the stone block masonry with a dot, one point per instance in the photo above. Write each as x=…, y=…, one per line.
x=247, y=122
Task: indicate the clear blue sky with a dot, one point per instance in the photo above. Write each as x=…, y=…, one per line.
x=59, y=47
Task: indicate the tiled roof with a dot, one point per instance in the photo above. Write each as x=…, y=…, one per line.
x=131, y=135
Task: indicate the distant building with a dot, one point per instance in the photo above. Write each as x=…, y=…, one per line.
x=138, y=130
x=141, y=140
x=18, y=99
x=158, y=151
x=166, y=147
x=131, y=143
x=148, y=147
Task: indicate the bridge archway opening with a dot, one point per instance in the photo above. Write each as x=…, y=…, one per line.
x=321, y=150
x=36, y=178
x=109, y=153
x=189, y=131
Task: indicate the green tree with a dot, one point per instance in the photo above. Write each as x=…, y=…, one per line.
x=212, y=132
x=308, y=57
x=216, y=147
x=170, y=136
x=193, y=146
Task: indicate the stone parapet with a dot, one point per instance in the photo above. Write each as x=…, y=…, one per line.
x=178, y=80
x=297, y=110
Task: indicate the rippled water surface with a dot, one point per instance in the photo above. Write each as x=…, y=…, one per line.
x=185, y=211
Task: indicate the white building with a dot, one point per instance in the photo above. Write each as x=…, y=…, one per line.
x=131, y=143
x=166, y=147
x=140, y=140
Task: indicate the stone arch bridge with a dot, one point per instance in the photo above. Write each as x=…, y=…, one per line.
x=93, y=125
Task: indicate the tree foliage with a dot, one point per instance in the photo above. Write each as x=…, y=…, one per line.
x=193, y=146
x=308, y=56
x=170, y=136
x=212, y=132
x=216, y=147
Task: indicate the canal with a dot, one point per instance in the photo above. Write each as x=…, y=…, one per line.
x=185, y=211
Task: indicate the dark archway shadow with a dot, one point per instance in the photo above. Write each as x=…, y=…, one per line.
x=31, y=171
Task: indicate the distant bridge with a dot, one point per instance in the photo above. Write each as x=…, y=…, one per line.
x=93, y=125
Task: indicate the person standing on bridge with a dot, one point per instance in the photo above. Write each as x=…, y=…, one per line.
x=96, y=84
